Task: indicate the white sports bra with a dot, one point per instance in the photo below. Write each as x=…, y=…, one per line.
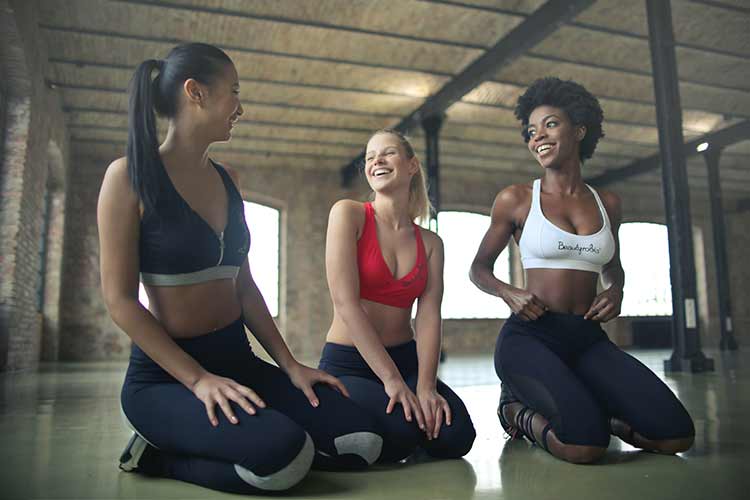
x=544, y=245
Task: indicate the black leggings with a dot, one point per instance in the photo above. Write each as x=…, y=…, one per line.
x=271, y=450
x=565, y=368
x=400, y=438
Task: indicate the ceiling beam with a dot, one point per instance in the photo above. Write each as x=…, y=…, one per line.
x=308, y=23
x=616, y=32
x=244, y=102
x=170, y=42
x=630, y=71
x=718, y=139
x=631, y=100
x=723, y=5
x=535, y=28
x=82, y=64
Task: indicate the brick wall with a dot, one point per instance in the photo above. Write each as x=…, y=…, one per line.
x=86, y=330
x=34, y=125
x=3, y=108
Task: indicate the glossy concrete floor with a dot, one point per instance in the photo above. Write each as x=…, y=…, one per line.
x=61, y=434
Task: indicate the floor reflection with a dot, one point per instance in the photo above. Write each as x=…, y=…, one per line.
x=62, y=429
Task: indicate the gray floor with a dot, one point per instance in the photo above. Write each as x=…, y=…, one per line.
x=62, y=433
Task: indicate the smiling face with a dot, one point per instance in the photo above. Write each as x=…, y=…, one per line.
x=553, y=139
x=217, y=106
x=226, y=105
x=387, y=163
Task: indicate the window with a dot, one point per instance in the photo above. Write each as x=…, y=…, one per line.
x=644, y=252
x=263, y=222
x=461, y=233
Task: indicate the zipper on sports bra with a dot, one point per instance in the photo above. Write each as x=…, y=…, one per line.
x=221, y=247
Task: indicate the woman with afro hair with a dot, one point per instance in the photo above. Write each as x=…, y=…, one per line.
x=566, y=387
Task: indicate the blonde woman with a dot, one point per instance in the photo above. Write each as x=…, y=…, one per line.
x=378, y=262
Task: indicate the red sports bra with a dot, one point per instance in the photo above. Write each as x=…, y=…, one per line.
x=376, y=283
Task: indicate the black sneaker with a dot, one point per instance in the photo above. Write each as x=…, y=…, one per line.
x=132, y=453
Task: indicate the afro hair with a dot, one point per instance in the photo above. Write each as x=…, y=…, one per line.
x=578, y=103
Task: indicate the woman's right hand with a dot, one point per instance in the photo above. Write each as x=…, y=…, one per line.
x=399, y=393
x=525, y=304
x=212, y=390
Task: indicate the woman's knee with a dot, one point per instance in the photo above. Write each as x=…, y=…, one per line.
x=465, y=436
x=672, y=446
x=352, y=434
x=580, y=454
x=593, y=450
x=394, y=451
x=672, y=434
x=454, y=441
x=362, y=448
x=399, y=441
x=288, y=462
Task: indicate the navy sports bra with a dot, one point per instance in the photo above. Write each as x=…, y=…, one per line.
x=178, y=247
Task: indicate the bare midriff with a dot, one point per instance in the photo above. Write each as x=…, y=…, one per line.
x=192, y=310
x=563, y=290
x=392, y=324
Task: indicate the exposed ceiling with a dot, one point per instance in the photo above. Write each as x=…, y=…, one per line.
x=319, y=76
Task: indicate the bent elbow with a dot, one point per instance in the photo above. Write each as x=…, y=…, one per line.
x=346, y=306
x=119, y=306
x=474, y=271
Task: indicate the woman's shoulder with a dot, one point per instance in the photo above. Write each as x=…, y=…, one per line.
x=117, y=179
x=430, y=239
x=512, y=198
x=611, y=201
x=117, y=171
x=117, y=190
x=515, y=192
x=348, y=207
x=346, y=211
x=609, y=197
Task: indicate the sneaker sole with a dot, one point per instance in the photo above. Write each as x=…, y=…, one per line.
x=132, y=453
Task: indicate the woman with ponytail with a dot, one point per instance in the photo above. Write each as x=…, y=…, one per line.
x=170, y=213
x=378, y=262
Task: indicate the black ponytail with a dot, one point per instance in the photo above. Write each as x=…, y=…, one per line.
x=148, y=96
x=143, y=143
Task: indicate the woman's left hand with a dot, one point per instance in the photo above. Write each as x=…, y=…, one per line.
x=304, y=378
x=606, y=305
x=436, y=411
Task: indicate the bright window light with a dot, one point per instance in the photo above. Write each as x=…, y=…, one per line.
x=142, y=297
x=461, y=233
x=644, y=252
x=263, y=222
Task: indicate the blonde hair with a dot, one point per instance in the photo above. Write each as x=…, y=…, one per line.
x=419, y=201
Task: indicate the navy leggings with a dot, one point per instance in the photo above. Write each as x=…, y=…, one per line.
x=171, y=418
x=565, y=368
x=400, y=438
